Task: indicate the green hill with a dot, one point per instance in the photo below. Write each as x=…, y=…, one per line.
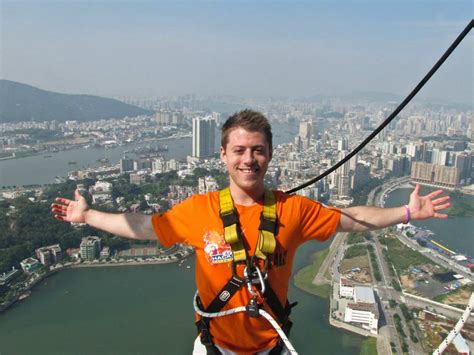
x=21, y=102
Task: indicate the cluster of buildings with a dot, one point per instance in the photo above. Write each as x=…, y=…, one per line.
x=408, y=146
x=89, y=249
x=359, y=307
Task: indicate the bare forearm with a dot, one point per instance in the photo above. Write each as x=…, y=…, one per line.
x=367, y=218
x=128, y=225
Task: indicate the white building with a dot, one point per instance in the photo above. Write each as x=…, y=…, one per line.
x=363, y=311
x=90, y=248
x=30, y=265
x=461, y=345
x=101, y=192
x=366, y=315
x=204, y=132
x=346, y=288
x=207, y=184
x=364, y=294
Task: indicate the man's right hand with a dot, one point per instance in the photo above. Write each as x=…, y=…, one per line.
x=69, y=210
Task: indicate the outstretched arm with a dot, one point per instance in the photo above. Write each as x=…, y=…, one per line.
x=128, y=225
x=366, y=218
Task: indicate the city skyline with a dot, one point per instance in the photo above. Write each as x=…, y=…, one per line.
x=271, y=48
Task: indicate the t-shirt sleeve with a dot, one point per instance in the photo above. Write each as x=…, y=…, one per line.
x=175, y=225
x=317, y=221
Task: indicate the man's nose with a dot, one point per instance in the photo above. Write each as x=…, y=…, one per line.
x=249, y=157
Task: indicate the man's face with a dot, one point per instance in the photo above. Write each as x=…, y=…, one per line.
x=246, y=157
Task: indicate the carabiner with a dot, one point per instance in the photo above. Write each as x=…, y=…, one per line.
x=249, y=281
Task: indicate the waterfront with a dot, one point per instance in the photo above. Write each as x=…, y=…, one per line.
x=141, y=310
x=42, y=169
x=456, y=233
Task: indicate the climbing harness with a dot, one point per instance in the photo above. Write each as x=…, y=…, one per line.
x=255, y=278
x=394, y=113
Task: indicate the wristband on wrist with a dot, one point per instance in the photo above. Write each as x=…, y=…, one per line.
x=407, y=214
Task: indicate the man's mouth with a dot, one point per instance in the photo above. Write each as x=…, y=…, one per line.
x=253, y=170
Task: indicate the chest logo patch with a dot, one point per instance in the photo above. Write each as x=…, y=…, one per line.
x=216, y=249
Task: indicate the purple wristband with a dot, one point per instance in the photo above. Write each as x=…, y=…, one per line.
x=407, y=214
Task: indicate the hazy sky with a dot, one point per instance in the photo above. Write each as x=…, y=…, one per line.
x=245, y=48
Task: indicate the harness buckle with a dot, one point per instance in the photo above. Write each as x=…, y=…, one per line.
x=253, y=308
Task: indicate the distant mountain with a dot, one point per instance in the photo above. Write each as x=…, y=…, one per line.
x=21, y=102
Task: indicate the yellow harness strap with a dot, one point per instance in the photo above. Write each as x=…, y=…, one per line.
x=268, y=221
x=266, y=239
x=229, y=218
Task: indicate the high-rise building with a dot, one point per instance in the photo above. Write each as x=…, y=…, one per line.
x=342, y=144
x=126, y=164
x=166, y=117
x=90, y=248
x=464, y=162
x=204, y=132
x=49, y=254
x=435, y=174
x=305, y=132
x=342, y=176
x=439, y=157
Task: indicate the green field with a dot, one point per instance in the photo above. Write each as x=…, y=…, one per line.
x=354, y=238
x=304, y=277
x=401, y=256
x=369, y=347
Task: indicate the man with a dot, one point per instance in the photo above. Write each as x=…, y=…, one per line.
x=246, y=150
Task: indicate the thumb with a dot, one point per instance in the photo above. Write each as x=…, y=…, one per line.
x=77, y=195
x=416, y=191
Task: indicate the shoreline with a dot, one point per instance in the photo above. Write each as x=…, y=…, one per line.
x=26, y=154
x=132, y=262
x=57, y=269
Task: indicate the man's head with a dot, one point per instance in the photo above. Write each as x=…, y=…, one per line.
x=246, y=152
x=251, y=121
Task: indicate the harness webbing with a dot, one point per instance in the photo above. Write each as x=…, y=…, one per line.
x=231, y=227
x=268, y=227
x=266, y=243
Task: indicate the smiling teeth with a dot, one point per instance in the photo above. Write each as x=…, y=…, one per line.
x=248, y=170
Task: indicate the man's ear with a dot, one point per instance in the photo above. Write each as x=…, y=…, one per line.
x=223, y=155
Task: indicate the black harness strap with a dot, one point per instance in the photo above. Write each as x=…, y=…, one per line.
x=225, y=294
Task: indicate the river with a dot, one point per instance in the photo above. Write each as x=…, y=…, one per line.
x=44, y=168
x=141, y=310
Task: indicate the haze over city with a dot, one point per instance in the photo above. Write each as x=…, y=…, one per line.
x=269, y=48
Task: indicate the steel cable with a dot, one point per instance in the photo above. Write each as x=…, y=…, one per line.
x=394, y=113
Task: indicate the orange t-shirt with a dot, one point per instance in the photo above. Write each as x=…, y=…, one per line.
x=196, y=222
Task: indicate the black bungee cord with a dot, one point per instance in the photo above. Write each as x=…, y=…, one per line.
x=394, y=113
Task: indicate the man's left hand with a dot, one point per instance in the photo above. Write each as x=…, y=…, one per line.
x=423, y=207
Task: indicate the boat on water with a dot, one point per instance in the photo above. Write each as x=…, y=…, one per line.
x=72, y=162
x=24, y=295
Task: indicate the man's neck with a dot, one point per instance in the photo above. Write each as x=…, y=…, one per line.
x=246, y=198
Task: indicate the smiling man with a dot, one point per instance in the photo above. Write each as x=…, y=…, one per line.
x=245, y=238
